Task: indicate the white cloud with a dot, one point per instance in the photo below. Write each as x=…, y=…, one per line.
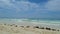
x=24, y=5
x=19, y=5
x=53, y=5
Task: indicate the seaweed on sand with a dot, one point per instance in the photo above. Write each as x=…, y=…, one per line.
x=48, y=28
x=27, y=26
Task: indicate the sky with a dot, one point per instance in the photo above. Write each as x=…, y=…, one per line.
x=30, y=8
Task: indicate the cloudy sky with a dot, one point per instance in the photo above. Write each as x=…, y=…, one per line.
x=30, y=8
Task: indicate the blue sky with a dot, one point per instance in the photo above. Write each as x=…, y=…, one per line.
x=30, y=8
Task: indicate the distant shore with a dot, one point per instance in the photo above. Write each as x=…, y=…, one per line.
x=17, y=29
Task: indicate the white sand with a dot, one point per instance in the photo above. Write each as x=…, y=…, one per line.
x=7, y=29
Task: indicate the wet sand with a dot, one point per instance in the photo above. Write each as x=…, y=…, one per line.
x=16, y=29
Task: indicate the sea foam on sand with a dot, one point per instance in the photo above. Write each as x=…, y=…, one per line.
x=15, y=29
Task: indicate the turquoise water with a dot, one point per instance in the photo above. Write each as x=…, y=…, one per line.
x=40, y=22
x=31, y=20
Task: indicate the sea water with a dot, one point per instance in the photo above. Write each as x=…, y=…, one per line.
x=30, y=21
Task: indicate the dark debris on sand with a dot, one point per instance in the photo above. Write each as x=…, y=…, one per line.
x=47, y=28
x=36, y=27
x=27, y=26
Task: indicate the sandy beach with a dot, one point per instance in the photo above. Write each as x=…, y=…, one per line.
x=15, y=29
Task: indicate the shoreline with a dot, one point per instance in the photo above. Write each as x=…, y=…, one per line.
x=32, y=22
x=53, y=26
